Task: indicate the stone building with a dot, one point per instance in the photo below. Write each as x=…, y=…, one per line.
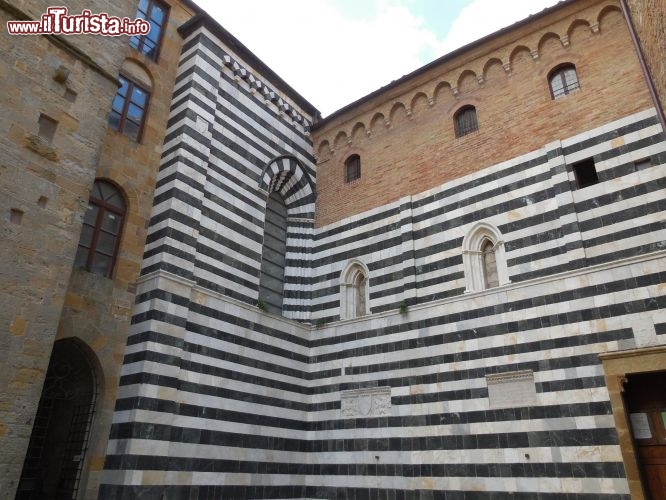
x=83, y=118
x=449, y=289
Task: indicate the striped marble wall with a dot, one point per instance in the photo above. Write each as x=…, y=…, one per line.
x=492, y=394
x=413, y=247
x=231, y=139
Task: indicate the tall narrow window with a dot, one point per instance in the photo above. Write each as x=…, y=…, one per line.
x=353, y=168
x=465, y=121
x=128, y=110
x=156, y=14
x=354, y=291
x=563, y=80
x=102, y=225
x=359, y=294
x=490, y=277
x=271, y=281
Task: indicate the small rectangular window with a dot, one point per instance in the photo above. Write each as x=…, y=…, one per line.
x=642, y=164
x=586, y=173
x=47, y=127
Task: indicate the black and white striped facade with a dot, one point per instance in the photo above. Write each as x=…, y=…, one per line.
x=219, y=400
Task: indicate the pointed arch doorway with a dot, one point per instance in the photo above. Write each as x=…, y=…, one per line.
x=54, y=462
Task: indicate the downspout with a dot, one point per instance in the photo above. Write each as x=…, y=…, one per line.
x=644, y=68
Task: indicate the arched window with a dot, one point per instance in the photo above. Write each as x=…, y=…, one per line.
x=465, y=121
x=128, y=109
x=563, y=80
x=490, y=278
x=353, y=168
x=271, y=281
x=354, y=291
x=102, y=226
x=483, y=258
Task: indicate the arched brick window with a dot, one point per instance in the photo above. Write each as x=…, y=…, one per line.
x=353, y=168
x=128, y=110
x=102, y=226
x=465, y=121
x=563, y=80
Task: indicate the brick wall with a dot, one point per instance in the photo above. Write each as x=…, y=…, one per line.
x=651, y=29
x=417, y=149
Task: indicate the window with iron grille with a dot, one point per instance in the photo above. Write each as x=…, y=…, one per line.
x=128, y=111
x=156, y=14
x=465, y=121
x=102, y=225
x=563, y=81
x=353, y=168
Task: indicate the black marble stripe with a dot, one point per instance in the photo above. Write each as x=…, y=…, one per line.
x=506, y=440
x=497, y=470
x=299, y=492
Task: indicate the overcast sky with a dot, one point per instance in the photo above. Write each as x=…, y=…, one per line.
x=335, y=51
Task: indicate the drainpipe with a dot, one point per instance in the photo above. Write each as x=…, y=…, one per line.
x=644, y=68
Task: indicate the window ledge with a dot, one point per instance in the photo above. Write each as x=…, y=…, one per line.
x=468, y=135
x=42, y=147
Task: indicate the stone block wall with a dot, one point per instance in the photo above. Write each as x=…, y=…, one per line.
x=97, y=309
x=44, y=185
x=49, y=185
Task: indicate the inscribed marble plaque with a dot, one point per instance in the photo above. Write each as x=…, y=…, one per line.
x=511, y=389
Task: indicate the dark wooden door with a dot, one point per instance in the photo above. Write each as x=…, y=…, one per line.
x=646, y=403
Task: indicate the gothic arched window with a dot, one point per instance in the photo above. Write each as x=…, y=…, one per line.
x=483, y=258
x=354, y=292
x=490, y=278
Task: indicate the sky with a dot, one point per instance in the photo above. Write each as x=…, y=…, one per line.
x=334, y=52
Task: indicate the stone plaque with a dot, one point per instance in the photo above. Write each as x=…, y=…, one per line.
x=511, y=389
x=366, y=402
